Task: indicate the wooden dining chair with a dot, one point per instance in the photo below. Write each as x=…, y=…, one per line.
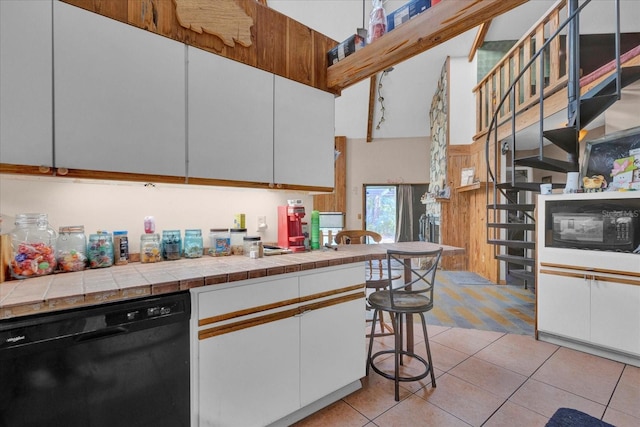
x=377, y=277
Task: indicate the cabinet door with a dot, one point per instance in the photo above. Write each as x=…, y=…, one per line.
x=26, y=103
x=119, y=96
x=615, y=315
x=303, y=134
x=250, y=377
x=332, y=349
x=333, y=344
x=230, y=119
x=564, y=305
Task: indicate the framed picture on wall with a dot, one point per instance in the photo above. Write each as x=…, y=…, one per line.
x=467, y=176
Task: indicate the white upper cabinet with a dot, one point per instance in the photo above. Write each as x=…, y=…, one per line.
x=303, y=134
x=119, y=96
x=26, y=105
x=230, y=119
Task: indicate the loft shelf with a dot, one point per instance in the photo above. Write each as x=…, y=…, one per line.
x=432, y=27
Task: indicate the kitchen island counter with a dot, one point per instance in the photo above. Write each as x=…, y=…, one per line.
x=96, y=286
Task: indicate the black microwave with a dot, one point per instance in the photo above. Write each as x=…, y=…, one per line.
x=608, y=229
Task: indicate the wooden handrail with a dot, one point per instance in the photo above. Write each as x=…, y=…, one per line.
x=494, y=85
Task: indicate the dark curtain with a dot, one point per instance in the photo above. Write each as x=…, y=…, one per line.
x=404, y=213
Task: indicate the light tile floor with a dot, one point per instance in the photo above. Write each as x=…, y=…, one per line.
x=491, y=379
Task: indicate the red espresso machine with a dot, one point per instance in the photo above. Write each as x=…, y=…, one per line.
x=290, y=234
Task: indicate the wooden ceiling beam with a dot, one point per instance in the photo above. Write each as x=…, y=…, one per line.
x=479, y=40
x=432, y=27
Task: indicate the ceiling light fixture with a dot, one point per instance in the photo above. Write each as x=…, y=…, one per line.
x=380, y=97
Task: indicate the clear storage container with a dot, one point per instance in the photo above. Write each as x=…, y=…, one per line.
x=171, y=245
x=237, y=240
x=252, y=247
x=120, y=247
x=100, y=250
x=193, y=244
x=33, y=245
x=71, y=248
x=219, y=242
x=150, y=248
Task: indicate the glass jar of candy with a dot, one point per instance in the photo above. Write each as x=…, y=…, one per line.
x=33, y=245
x=219, y=242
x=100, y=250
x=171, y=245
x=193, y=244
x=120, y=247
x=71, y=248
x=150, y=248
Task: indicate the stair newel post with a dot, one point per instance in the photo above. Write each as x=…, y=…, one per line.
x=573, y=75
x=541, y=107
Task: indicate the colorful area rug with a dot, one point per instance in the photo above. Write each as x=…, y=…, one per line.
x=490, y=307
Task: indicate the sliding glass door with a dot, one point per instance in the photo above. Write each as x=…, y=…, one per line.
x=394, y=210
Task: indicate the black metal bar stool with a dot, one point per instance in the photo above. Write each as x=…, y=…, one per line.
x=377, y=277
x=415, y=296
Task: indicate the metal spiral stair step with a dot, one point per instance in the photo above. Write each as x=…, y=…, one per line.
x=547, y=163
x=520, y=260
x=512, y=225
x=527, y=186
x=513, y=243
x=522, y=207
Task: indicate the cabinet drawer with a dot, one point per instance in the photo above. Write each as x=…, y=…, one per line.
x=333, y=278
x=251, y=297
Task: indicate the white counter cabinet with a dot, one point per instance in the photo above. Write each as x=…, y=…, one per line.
x=119, y=96
x=275, y=349
x=26, y=87
x=588, y=300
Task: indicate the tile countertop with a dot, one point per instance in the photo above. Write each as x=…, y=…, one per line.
x=91, y=287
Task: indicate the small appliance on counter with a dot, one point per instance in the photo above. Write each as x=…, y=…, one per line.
x=290, y=234
x=331, y=223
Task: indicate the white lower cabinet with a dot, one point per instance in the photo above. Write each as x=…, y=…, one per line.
x=588, y=300
x=564, y=305
x=263, y=349
x=250, y=377
x=615, y=314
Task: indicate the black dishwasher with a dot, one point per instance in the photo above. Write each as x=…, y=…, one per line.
x=117, y=364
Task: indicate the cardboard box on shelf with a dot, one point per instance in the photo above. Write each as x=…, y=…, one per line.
x=346, y=48
x=406, y=12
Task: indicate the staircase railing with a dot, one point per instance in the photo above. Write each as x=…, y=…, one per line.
x=499, y=80
x=533, y=82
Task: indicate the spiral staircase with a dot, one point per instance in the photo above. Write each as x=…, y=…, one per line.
x=510, y=221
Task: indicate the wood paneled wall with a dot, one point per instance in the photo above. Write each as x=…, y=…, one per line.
x=463, y=218
x=279, y=45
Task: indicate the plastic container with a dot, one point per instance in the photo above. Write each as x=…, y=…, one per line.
x=120, y=248
x=193, y=244
x=33, y=245
x=71, y=248
x=219, y=242
x=150, y=248
x=100, y=250
x=253, y=244
x=237, y=236
x=171, y=245
x=315, y=230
